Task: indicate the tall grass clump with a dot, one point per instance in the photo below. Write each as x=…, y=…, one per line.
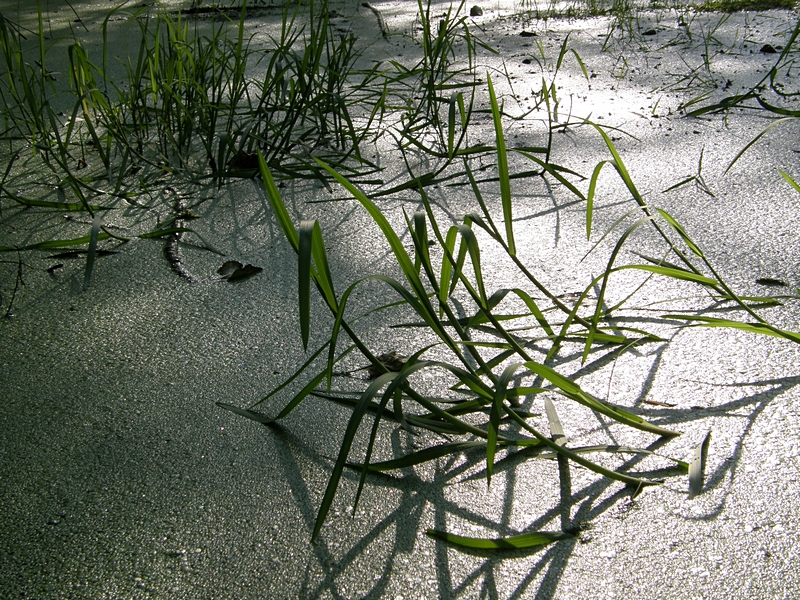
x=436, y=95
x=500, y=361
x=193, y=104
x=185, y=104
x=188, y=92
x=25, y=86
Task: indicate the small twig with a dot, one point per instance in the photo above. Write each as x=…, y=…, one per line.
x=381, y=21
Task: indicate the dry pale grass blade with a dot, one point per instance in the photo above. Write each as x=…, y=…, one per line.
x=697, y=467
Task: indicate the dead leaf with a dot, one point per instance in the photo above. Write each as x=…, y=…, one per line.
x=228, y=268
x=233, y=270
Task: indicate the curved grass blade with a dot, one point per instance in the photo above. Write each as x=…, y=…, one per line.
x=70, y=206
x=277, y=203
x=514, y=542
x=162, y=232
x=681, y=232
x=590, y=196
x=674, y=273
x=403, y=260
x=299, y=371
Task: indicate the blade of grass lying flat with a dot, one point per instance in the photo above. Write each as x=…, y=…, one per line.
x=697, y=467
x=70, y=206
x=56, y=244
x=671, y=272
x=162, y=232
x=614, y=449
x=556, y=429
x=441, y=450
x=762, y=328
x=514, y=542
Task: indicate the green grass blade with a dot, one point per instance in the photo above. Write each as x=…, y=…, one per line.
x=502, y=169
x=755, y=139
x=590, y=196
x=681, y=232
x=791, y=181
x=514, y=542
x=162, y=232
x=55, y=244
x=248, y=414
x=304, y=279
x=403, y=260
x=634, y=482
x=277, y=203
x=675, y=273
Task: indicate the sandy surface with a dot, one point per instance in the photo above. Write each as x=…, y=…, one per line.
x=120, y=478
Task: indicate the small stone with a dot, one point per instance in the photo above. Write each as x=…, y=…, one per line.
x=650, y=32
x=527, y=34
x=768, y=49
x=476, y=11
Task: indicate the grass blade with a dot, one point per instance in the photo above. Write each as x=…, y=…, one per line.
x=514, y=542
x=697, y=467
x=502, y=169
